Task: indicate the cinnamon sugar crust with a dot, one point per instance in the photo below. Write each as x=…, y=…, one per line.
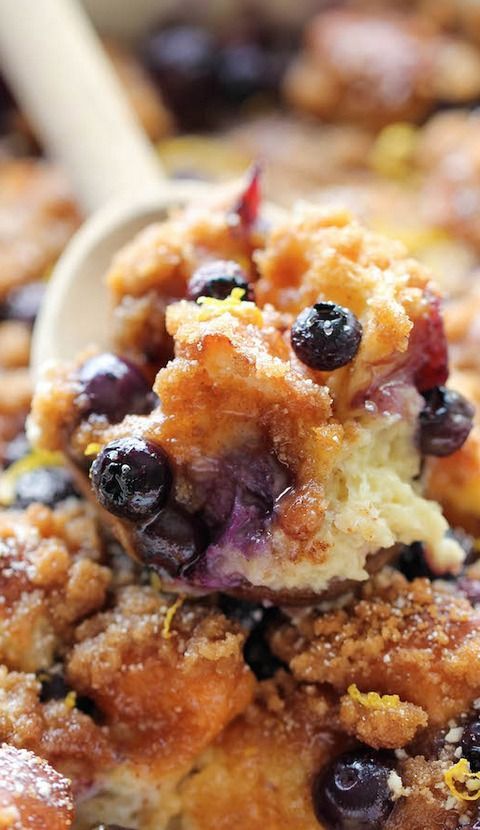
x=50, y=578
x=32, y=795
x=417, y=640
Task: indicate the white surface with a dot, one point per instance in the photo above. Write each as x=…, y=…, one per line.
x=53, y=61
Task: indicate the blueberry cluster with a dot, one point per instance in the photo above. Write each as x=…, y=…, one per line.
x=202, y=75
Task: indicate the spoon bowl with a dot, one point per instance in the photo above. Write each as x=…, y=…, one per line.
x=76, y=310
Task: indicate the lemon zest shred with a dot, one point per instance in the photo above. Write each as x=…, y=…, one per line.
x=392, y=154
x=372, y=700
x=155, y=581
x=71, y=700
x=166, y=633
x=461, y=773
x=233, y=304
x=93, y=448
x=415, y=240
x=35, y=458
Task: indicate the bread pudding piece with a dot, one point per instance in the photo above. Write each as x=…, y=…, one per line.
x=254, y=472
x=32, y=795
x=376, y=726
x=148, y=685
x=376, y=68
x=153, y=270
x=449, y=159
x=37, y=218
x=50, y=578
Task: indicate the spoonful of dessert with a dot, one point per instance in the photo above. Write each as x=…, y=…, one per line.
x=57, y=69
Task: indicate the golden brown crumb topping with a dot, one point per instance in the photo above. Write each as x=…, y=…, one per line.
x=417, y=640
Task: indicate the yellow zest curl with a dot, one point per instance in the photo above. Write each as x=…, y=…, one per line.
x=233, y=304
x=71, y=700
x=393, y=151
x=461, y=774
x=372, y=700
x=166, y=633
x=93, y=448
x=155, y=581
x=34, y=459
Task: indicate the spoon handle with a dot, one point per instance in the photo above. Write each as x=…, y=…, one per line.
x=56, y=67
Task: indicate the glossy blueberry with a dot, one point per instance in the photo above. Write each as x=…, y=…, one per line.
x=412, y=563
x=131, y=478
x=48, y=485
x=445, y=421
x=172, y=542
x=218, y=279
x=353, y=792
x=112, y=386
x=181, y=58
x=470, y=744
x=326, y=336
x=16, y=449
x=23, y=303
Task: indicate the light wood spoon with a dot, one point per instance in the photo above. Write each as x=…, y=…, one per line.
x=57, y=68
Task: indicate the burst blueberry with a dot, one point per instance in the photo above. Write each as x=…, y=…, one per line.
x=218, y=279
x=353, y=792
x=112, y=386
x=132, y=478
x=326, y=336
x=172, y=542
x=445, y=421
x=471, y=745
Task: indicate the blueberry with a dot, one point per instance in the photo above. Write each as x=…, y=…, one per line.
x=326, y=336
x=244, y=69
x=353, y=792
x=131, y=478
x=181, y=58
x=218, y=279
x=445, y=421
x=16, y=449
x=412, y=563
x=54, y=686
x=23, y=303
x=47, y=485
x=172, y=542
x=113, y=387
x=470, y=744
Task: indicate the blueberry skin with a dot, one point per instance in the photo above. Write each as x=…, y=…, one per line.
x=218, y=279
x=112, y=386
x=181, y=58
x=47, y=485
x=172, y=542
x=326, y=336
x=23, y=303
x=131, y=478
x=445, y=421
x=470, y=744
x=353, y=792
